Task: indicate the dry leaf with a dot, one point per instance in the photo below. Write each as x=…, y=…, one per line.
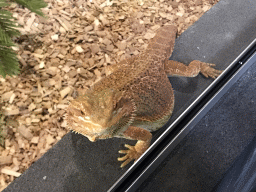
x=25, y=132
x=55, y=37
x=10, y=172
x=35, y=140
x=65, y=92
x=5, y=160
x=79, y=49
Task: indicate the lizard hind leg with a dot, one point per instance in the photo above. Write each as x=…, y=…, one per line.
x=134, y=152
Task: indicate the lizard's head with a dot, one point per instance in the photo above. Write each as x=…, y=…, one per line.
x=91, y=114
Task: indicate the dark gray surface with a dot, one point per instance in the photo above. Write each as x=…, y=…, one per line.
x=73, y=164
x=241, y=177
x=204, y=155
x=76, y=164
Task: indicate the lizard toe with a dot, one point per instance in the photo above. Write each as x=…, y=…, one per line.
x=131, y=154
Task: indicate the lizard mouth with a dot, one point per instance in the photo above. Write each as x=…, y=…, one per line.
x=92, y=139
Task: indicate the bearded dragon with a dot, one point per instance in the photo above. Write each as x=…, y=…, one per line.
x=135, y=98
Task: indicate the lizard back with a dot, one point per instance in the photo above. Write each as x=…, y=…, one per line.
x=159, y=48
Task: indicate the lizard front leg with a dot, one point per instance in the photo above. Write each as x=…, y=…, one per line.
x=175, y=68
x=134, y=152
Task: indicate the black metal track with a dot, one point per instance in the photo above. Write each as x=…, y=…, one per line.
x=138, y=173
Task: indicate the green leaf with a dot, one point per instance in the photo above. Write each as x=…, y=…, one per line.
x=33, y=5
x=3, y=3
x=9, y=64
x=7, y=25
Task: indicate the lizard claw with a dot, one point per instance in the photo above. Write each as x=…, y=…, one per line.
x=208, y=71
x=131, y=154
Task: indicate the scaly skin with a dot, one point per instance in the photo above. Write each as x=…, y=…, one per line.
x=135, y=98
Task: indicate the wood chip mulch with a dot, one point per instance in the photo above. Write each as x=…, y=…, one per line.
x=65, y=53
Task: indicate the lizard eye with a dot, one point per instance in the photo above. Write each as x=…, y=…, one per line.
x=82, y=112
